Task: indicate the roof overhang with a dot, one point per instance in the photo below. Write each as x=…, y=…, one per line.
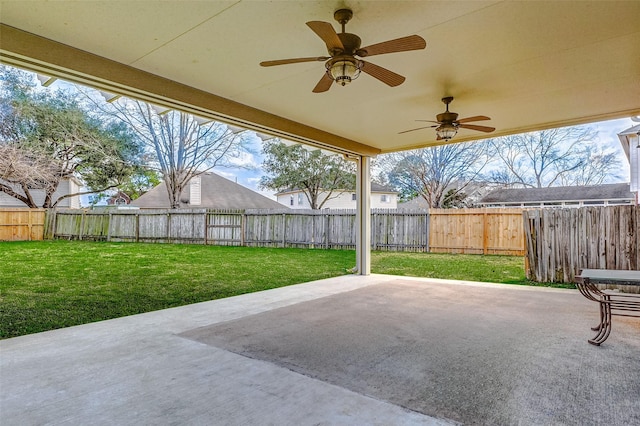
x=629, y=136
x=527, y=65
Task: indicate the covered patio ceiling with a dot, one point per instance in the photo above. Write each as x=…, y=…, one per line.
x=527, y=65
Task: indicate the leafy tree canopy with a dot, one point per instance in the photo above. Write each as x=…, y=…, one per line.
x=49, y=136
x=318, y=175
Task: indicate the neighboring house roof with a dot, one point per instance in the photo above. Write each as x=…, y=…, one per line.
x=614, y=191
x=374, y=188
x=415, y=203
x=217, y=192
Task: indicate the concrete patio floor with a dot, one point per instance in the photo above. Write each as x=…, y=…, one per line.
x=376, y=350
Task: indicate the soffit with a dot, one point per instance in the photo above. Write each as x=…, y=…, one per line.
x=527, y=65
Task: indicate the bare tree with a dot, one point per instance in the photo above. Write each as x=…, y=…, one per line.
x=600, y=165
x=563, y=156
x=26, y=170
x=437, y=173
x=177, y=144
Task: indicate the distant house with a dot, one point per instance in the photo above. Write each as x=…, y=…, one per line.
x=472, y=191
x=560, y=196
x=381, y=198
x=66, y=186
x=118, y=199
x=210, y=191
x=418, y=203
x=630, y=141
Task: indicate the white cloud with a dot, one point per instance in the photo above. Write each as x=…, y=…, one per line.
x=226, y=174
x=608, y=138
x=246, y=160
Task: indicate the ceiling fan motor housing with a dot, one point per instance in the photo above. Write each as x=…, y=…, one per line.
x=447, y=117
x=351, y=43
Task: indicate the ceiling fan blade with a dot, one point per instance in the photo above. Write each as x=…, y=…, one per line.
x=478, y=128
x=402, y=44
x=413, y=130
x=430, y=121
x=294, y=61
x=475, y=118
x=324, y=84
x=325, y=31
x=384, y=75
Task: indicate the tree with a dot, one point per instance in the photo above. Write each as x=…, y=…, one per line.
x=438, y=174
x=45, y=137
x=599, y=165
x=140, y=182
x=176, y=144
x=563, y=156
x=454, y=199
x=316, y=174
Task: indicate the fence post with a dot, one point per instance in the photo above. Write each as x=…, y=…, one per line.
x=81, y=226
x=53, y=225
x=284, y=228
x=137, y=225
x=109, y=227
x=485, y=233
x=206, y=227
x=168, y=227
x=326, y=223
x=426, y=231
x=29, y=224
x=374, y=230
x=243, y=228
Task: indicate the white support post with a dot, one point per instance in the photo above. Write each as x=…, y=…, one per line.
x=363, y=216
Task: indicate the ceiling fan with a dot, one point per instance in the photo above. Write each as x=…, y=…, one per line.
x=447, y=123
x=341, y=65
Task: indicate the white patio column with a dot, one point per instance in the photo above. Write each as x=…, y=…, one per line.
x=363, y=216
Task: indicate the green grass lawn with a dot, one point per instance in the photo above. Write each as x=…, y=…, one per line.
x=53, y=284
x=497, y=269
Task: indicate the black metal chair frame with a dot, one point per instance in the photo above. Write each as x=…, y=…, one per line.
x=625, y=305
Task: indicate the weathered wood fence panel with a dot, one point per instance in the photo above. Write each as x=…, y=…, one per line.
x=398, y=230
x=225, y=228
x=22, y=224
x=488, y=231
x=561, y=242
x=331, y=229
x=476, y=231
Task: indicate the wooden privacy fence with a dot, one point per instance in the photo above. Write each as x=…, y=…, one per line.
x=488, y=231
x=22, y=224
x=477, y=231
x=561, y=242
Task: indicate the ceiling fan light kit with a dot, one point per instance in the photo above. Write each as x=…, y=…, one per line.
x=447, y=123
x=343, y=70
x=342, y=66
x=446, y=131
